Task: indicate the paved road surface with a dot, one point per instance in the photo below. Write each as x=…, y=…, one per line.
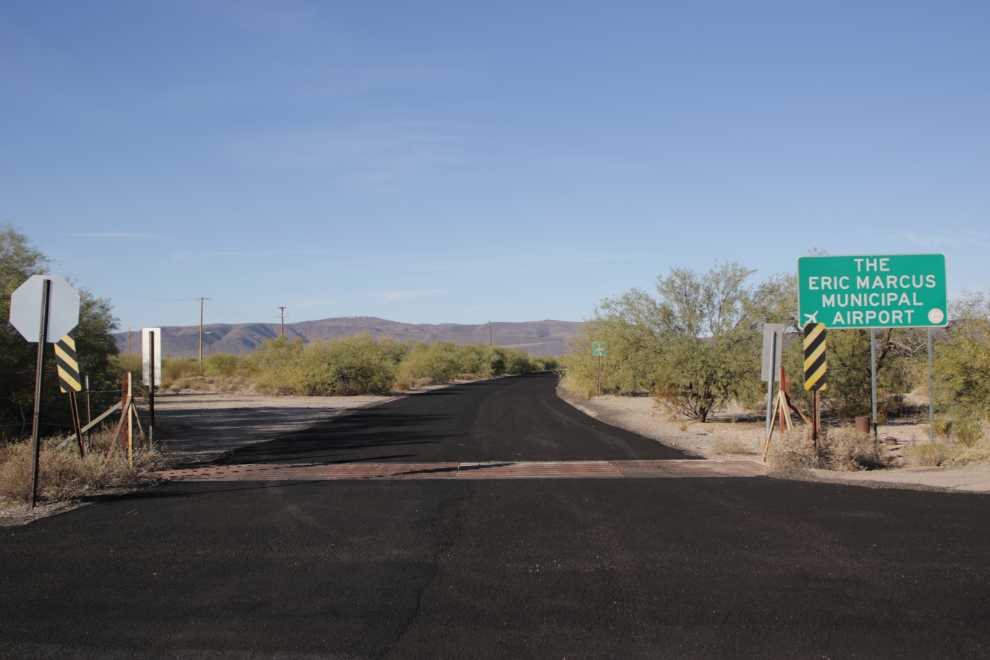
x=573, y=568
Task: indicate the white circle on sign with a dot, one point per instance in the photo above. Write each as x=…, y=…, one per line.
x=935, y=315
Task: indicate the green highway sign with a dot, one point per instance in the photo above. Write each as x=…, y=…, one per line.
x=598, y=348
x=875, y=291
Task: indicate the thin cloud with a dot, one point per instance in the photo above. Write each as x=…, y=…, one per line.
x=369, y=157
x=405, y=295
x=115, y=235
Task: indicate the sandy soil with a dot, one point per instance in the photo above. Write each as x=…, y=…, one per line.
x=731, y=434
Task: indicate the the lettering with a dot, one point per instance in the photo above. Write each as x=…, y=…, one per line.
x=856, y=299
x=904, y=300
x=930, y=279
x=863, y=282
x=871, y=265
x=828, y=301
x=878, y=282
x=903, y=285
x=813, y=283
x=891, y=298
x=892, y=281
x=909, y=312
x=898, y=316
x=844, y=282
x=883, y=264
x=857, y=317
x=859, y=265
x=884, y=317
x=914, y=294
x=871, y=303
x=838, y=319
x=842, y=299
x=870, y=315
x=826, y=282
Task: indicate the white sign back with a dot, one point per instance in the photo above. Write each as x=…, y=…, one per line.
x=25, y=308
x=768, y=330
x=146, y=335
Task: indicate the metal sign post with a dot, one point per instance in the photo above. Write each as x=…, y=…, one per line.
x=39, y=379
x=931, y=391
x=54, y=305
x=151, y=342
x=873, y=379
x=773, y=343
x=598, y=348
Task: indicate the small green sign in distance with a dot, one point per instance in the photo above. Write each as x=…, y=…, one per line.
x=598, y=348
x=874, y=291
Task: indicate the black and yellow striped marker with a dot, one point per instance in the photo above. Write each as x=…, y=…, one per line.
x=68, y=366
x=814, y=357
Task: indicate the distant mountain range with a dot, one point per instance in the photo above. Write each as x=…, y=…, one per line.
x=534, y=337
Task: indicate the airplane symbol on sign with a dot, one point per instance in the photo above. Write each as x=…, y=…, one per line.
x=812, y=318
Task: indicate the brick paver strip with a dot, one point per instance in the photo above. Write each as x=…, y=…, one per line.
x=494, y=470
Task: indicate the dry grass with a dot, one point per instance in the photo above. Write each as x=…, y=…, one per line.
x=64, y=475
x=722, y=446
x=840, y=448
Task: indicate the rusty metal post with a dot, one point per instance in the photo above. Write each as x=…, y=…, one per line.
x=74, y=410
x=931, y=391
x=39, y=377
x=151, y=391
x=130, y=421
x=814, y=422
x=782, y=398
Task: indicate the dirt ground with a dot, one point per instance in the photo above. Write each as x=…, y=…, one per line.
x=732, y=435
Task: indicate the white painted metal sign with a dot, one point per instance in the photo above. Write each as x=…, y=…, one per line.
x=146, y=363
x=25, y=308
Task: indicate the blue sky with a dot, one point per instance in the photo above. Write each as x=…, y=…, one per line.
x=459, y=162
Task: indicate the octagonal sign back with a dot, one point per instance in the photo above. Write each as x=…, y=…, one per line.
x=25, y=308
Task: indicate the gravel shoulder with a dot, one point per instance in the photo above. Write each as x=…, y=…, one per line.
x=728, y=439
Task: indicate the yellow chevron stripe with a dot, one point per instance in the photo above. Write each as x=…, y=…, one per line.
x=815, y=377
x=810, y=361
x=815, y=331
x=69, y=380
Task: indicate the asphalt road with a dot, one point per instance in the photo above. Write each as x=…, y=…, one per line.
x=568, y=568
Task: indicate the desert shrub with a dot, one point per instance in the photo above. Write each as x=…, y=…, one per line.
x=696, y=345
x=723, y=445
x=64, y=474
x=441, y=362
x=849, y=450
x=228, y=365
x=347, y=366
x=931, y=454
x=839, y=448
x=175, y=368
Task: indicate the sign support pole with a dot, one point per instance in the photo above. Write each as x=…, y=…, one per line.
x=873, y=380
x=46, y=290
x=151, y=392
x=931, y=391
x=599, y=376
x=773, y=370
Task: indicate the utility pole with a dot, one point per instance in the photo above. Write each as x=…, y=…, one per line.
x=489, y=334
x=283, y=316
x=209, y=342
x=129, y=339
x=201, y=329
